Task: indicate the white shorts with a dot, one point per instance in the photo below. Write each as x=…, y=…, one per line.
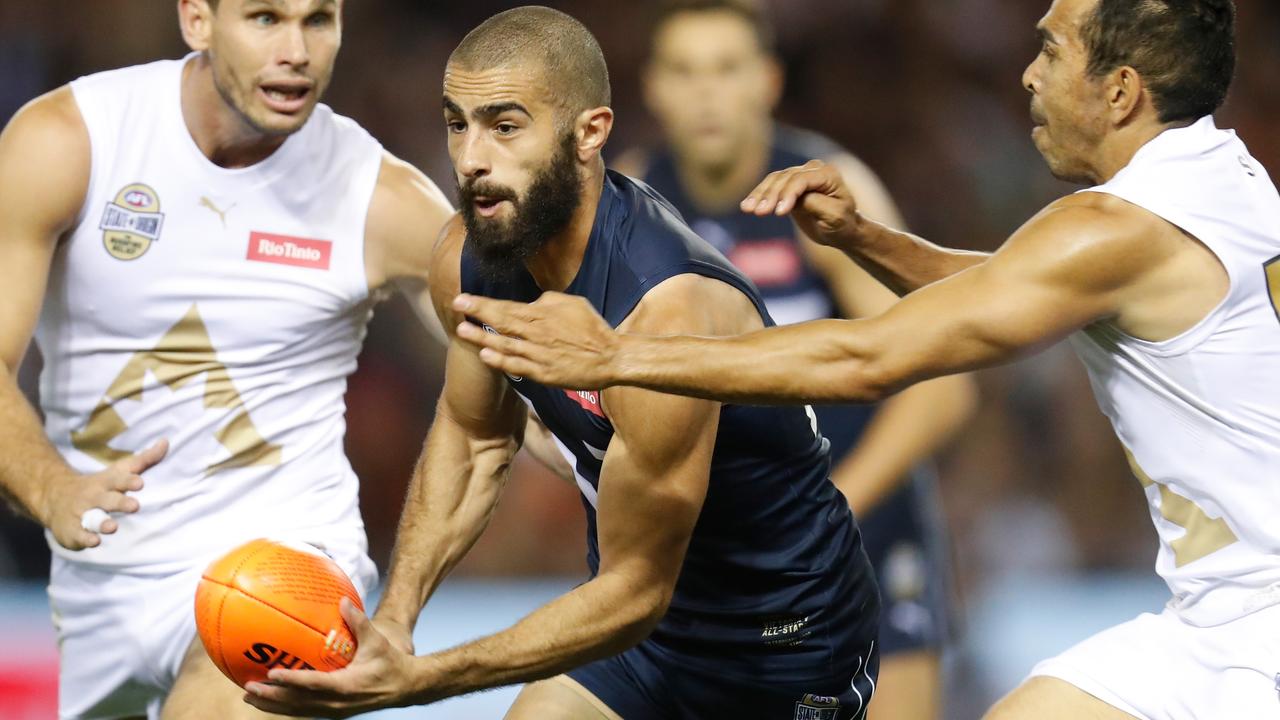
x=1157, y=667
x=122, y=634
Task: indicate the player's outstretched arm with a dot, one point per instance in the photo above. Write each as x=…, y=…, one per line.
x=1069, y=266
x=651, y=491
x=818, y=196
x=44, y=176
x=463, y=467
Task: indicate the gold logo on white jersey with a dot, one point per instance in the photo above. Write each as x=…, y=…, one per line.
x=205, y=202
x=1204, y=535
x=131, y=222
x=184, y=353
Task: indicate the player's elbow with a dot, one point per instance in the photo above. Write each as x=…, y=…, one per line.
x=643, y=606
x=856, y=368
x=860, y=381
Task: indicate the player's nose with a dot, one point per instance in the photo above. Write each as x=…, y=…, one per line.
x=293, y=47
x=1031, y=79
x=473, y=158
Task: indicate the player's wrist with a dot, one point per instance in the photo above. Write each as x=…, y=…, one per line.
x=858, y=232
x=430, y=680
x=396, y=614
x=42, y=504
x=625, y=365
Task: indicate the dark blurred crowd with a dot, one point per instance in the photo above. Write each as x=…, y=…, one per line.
x=926, y=91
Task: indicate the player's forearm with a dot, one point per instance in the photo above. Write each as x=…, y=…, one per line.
x=824, y=361
x=908, y=428
x=596, y=620
x=29, y=464
x=455, y=487
x=901, y=261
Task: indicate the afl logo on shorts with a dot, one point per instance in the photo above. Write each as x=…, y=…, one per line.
x=131, y=222
x=817, y=707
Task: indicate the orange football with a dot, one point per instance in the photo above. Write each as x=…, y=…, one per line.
x=269, y=604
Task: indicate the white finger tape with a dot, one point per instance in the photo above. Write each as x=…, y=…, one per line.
x=93, y=518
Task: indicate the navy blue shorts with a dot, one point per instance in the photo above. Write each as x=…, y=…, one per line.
x=903, y=540
x=649, y=683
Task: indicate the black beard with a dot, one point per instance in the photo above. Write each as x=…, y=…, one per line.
x=502, y=247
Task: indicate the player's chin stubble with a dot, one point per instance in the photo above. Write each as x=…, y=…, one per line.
x=502, y=246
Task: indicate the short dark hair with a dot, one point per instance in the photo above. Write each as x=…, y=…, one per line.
x=752, y=11
x=571, y=59
x=1184, y=50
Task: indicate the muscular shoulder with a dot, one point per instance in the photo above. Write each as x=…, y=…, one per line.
x=445, y=268
x=45, y=161
x=1093, y=239
x=693, y=304
x=406, y=215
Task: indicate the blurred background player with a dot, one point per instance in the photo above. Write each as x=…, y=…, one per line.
x=712, y=81
x=197, y=245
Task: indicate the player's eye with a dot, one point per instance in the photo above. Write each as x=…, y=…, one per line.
x=321, y=19
x=505, y=128
x=264, y=19
x=456, y=126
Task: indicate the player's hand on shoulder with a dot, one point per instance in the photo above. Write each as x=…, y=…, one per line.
x=814, y=194
x=70, y=502
x=559, y=340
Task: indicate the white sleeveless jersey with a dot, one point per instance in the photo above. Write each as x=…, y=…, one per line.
x=1200, y=414
x=221, y=309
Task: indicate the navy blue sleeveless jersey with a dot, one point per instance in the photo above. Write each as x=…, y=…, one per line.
x=902, y=533
x=775, y=578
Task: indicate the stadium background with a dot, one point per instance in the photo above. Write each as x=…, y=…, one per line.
x=1050, y=535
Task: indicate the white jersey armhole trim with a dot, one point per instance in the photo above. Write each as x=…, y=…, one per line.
x=1192, y=337
x=77, y=94
x=364, y=228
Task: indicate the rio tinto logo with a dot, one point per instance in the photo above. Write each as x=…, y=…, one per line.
x=286, y=250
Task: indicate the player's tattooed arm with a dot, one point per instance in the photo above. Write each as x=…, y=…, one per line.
x=44, y=176
x=464, y=466
x=818, y=197
x=1080, y=261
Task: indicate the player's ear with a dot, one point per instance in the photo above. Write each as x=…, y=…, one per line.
x=591, y=131
x=1124, y=91
x=195, y=18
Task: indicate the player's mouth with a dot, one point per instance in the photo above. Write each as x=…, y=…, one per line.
x=487, y=206
x=286, y=97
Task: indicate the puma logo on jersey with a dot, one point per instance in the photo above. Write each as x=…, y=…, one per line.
x=222, y=214
x=287, y=250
